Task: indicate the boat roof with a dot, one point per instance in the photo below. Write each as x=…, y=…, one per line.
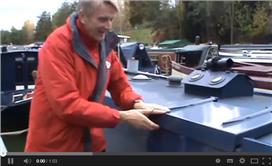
x=192, y=47
x=204, y=122
x=247, y=46
x=248, y=53
x=18, y=51
x=173, y=43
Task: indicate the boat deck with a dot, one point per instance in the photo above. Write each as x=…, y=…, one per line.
x=194, y=128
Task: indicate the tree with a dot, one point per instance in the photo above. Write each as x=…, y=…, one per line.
x=16, y=36
x=28, y=32
x=260, y=20
x=242, y=20
x=44, y=26
x=142, y=11
x=62, y=13
x=218, y=26
x=121, y=22
x=22, y=36
x=217, y=21
x=5, y=37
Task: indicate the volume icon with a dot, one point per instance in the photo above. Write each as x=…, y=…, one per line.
x=27, y=161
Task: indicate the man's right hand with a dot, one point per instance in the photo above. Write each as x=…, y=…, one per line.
x=138, y=119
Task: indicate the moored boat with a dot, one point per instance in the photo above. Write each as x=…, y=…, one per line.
x=17, y=85
x=248, y=53
x=189, y=60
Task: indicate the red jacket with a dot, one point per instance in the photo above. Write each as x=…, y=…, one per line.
x=60, y=109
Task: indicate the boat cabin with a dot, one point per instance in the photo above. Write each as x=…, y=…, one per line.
x=195, y=55
x=135, y=51
x=17, y=68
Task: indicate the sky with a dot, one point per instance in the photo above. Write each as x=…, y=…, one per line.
x=16, y=12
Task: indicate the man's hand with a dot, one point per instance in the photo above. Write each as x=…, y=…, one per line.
x=150, y=108
x=136, y=118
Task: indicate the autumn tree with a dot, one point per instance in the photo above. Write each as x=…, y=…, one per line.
x=28, y=32
x=121, y=22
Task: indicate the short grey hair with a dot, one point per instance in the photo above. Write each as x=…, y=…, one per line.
x=89, y=6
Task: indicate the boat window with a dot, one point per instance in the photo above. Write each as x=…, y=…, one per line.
x=31, y=65
x=19, y=71
x=19, y=59
x=213, y=52
x=189, y=58
x=30, y=59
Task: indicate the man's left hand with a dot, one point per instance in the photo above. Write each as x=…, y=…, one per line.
x=151, y=108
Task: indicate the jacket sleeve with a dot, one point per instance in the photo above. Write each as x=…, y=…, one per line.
x=58, y=79
x=119, y=86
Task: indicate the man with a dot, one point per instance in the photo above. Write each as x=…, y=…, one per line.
x=76, y=66
x=197, y=40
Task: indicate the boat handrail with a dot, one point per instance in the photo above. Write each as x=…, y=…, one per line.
x=265, y=92
x=147, y=74
x=23, y=100
x=3, y=107
x=14, y=132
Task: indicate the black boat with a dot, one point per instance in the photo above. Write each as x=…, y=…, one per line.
x=16, y=88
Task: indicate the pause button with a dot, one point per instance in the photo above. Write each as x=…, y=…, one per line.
x=10, y=161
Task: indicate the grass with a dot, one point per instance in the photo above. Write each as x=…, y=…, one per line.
x=143, y=35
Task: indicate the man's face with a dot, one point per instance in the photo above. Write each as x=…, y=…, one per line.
x=100, y=22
